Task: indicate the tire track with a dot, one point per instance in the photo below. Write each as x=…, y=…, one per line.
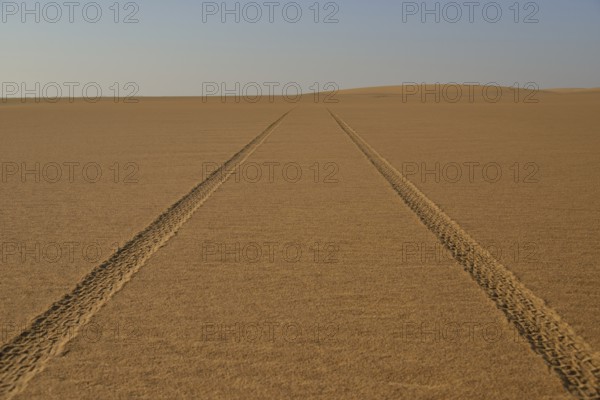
x=575, y=362
x=28, y=353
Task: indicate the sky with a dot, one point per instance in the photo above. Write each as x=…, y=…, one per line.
x=183, y=47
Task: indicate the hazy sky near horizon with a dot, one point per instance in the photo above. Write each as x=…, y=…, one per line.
x=178, y=46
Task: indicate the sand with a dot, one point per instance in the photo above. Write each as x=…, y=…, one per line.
x=363, y=311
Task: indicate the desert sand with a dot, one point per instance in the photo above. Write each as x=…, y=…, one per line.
x=336, y=274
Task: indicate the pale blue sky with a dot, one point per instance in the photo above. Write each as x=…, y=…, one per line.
x=171, y=51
